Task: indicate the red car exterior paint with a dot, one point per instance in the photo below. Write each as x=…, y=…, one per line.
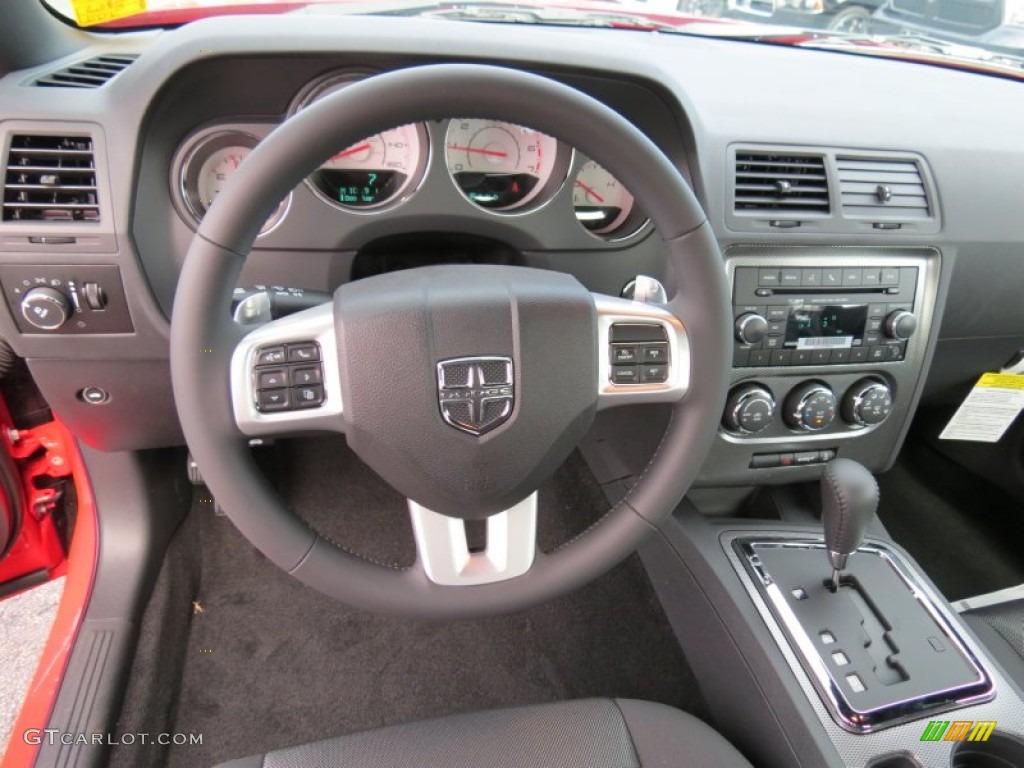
x=79, y=571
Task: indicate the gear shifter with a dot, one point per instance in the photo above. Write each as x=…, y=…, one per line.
x=849, y=499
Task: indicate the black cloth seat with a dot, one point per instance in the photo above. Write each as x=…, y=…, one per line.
x=588, y=733
x=1000, y=628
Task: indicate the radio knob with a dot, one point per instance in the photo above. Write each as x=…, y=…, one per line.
x=751, y=328
x=45, y=308
x=900, y=324
x=867, y=402
x=750, y=409
x=810, y=407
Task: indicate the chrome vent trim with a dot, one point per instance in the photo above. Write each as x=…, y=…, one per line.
x=91, y=73
x=773, y=182
x=894, y=188
x=51, y=179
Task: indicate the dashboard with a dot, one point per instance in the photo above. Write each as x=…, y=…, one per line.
x=864, y=220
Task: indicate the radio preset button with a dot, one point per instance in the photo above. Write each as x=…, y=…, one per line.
x=853, y=276
x=801, y=357
x=782, y=356
x=821, y=356
x=759, y=357
x=768, y=278
x=890, y=276
x=858, y=354
x=840, y=356
x=872, y=278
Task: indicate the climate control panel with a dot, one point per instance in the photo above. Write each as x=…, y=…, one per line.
x=808, y=407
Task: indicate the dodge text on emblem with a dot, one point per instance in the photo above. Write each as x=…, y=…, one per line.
x=475, y=393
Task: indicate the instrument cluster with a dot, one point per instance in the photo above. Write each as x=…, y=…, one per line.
x=499, y=167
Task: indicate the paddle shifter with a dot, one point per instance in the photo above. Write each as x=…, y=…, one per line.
x=849, y=499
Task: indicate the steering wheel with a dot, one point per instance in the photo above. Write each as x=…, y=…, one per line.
x=464, y=387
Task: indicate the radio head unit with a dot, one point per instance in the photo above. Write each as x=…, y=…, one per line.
x=822, y=315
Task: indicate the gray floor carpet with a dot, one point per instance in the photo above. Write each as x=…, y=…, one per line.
x=270, y=663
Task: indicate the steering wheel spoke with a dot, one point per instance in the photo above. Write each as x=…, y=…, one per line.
x=643, y=353
x=444, y=553
x=285, y=376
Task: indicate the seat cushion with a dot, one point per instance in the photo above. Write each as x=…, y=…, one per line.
x=588, y=733
x=1000, y=628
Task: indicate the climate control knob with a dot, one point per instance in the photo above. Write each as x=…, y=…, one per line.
x=867, y=402
x=750, y=328
x=900, y=324
x=749, y=409
x=45, y=308
x=810, y=407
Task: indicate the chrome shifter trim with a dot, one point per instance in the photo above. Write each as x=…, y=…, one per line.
x=840, y=707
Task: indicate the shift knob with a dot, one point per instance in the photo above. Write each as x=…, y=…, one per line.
x=849, y=500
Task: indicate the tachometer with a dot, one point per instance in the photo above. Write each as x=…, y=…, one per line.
x=502, y=166
x=207, y=163
x=379, y=171
x=602, y=204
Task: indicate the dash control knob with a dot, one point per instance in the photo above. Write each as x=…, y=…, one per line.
x=810, y=407
x=900, y=325
x=750, y=409
x=867, y=402
x=750, y=328
x=45, y=308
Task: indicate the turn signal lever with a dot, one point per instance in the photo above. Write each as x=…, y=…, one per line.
x=261, y=303
x=849, y=500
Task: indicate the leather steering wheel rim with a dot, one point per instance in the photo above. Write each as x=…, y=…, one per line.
x=203, y=336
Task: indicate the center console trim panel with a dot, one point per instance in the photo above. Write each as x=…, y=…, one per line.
x=860, y=749
x=843, y=713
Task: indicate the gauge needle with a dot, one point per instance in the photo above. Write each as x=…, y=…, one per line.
x=490, y=152
x=590, y=191
x=352, y=151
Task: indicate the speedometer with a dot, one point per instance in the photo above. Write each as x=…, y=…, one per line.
x=377, y=172
x=502, y=166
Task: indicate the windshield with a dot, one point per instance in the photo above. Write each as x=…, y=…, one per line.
x=981, y=35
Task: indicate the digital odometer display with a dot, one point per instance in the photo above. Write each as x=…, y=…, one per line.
x=827, y=325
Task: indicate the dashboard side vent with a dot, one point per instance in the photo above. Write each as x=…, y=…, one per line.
x=773, y=183
x=891, y=188
x=50, y=178
x=91, y=73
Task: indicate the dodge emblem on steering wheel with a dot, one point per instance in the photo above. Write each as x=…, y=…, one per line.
x=475, y=393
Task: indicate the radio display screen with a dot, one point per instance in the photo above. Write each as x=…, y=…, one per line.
x=814, y=326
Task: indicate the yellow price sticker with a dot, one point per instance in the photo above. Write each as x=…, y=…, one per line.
x=1001, y=381
x=89, y=13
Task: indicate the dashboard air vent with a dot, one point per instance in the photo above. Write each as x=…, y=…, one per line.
x=50, y=178
x=893, y=188
x=780, y=183
x=91, y=73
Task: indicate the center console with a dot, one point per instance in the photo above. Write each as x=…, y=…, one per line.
x=829, y=350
